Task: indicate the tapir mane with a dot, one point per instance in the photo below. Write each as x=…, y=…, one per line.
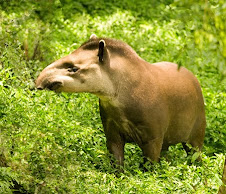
x=115, y=46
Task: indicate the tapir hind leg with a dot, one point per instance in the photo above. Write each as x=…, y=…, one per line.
x=198, y=132
x=196, y=138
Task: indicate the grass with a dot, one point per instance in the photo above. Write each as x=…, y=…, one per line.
x=54, y=143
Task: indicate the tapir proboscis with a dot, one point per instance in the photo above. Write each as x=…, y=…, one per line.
x=154, y=105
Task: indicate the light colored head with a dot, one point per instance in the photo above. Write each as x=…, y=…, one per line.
x=84, y=70
x=88, y=69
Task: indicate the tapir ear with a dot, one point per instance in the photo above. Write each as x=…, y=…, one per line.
x=93, y=36
x=101, y=50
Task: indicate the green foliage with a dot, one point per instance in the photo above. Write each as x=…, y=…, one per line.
x=54, y=143
x=210, y=34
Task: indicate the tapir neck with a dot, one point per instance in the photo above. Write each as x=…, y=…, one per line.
x=126, y=77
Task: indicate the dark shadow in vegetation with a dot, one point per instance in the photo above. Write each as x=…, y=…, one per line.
x=47, y=10
x=19, y=189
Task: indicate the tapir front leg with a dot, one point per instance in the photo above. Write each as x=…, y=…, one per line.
x=115, y=142
x=152, y=149
x=116, y=148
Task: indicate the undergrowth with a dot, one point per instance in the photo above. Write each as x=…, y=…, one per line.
x=54, y=143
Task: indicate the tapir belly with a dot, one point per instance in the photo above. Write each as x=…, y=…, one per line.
x=171, y=128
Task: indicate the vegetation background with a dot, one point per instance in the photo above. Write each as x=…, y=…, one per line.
x=54, y=143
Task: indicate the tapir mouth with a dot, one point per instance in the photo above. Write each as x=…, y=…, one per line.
x=54, y=85
x=51, y=86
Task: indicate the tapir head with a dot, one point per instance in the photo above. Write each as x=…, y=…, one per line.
x=84, y=70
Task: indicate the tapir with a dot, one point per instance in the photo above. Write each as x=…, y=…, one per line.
x=154, y=105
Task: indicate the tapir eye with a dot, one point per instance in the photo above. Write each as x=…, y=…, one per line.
x=73, y=69
x=67, y=65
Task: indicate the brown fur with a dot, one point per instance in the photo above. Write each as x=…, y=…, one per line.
x=153, y=105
